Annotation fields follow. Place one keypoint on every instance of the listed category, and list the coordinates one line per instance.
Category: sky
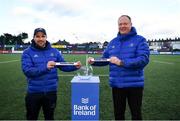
(79, 21)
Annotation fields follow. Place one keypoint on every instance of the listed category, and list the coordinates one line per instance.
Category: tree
(24, 36)
(8, 39)
(20, 38)
(2, 40)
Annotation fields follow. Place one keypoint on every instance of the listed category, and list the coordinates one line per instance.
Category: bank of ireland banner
(85, 98)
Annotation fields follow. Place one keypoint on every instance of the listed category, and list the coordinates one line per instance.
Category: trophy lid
(66, 63)
(100, 60)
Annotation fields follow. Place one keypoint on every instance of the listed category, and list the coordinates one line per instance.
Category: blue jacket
(133, 50)
(34, 65)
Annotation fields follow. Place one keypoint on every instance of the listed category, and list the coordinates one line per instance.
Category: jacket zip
(44, 88)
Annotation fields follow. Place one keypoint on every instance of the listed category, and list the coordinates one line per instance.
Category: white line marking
(9, 61)
(163, 62)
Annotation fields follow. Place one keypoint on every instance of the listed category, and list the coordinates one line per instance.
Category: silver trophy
(85, 72)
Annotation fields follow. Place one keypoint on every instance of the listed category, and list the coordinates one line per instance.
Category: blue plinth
(85, 98)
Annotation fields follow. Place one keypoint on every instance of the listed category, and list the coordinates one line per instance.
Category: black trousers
(35, 101)
(134, 97)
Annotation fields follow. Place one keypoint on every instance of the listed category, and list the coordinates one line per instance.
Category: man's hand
(116, 61)
(51, 64)
(78, 64)
(89, 60)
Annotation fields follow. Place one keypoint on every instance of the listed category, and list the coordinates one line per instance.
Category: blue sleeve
(28, 67)
(65, 68)
(142, 56)
(106, 52)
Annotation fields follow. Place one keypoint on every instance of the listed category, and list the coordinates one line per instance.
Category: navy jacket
(133, 50)
(34, 65)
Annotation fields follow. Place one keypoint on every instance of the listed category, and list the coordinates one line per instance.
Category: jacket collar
(128, 35)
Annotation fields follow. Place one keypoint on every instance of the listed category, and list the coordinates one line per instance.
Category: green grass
(161, 99)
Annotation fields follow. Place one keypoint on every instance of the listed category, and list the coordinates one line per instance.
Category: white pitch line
(163, 62)
(9, 61)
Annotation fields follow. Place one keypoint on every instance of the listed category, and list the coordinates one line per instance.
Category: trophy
(85, 72)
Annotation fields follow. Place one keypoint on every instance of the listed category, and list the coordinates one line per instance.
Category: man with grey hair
(128, 54)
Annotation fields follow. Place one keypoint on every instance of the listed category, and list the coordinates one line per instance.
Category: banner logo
(85, 108)
(84, 100)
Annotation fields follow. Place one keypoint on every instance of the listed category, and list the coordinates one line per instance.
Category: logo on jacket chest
(127, 45)
(52, 54)
(113, 46)
(131, 44)
(35, 56)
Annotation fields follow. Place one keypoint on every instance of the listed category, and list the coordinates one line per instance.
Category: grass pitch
(161, 99)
